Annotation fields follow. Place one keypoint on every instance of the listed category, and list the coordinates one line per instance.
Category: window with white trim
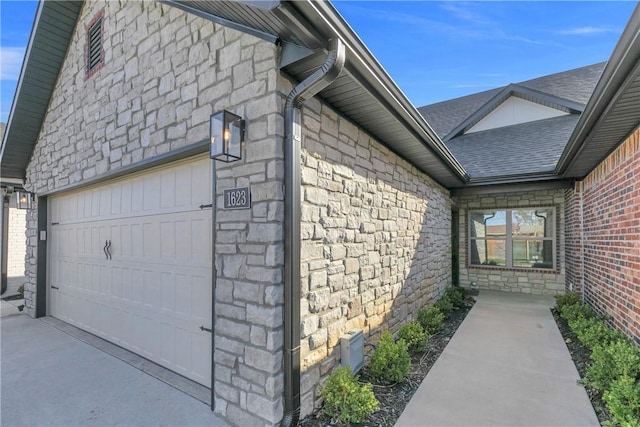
(513, 238)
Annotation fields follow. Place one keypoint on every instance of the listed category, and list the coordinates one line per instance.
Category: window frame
(509, 238)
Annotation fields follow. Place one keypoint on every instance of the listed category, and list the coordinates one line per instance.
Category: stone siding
(610, 221)
(376, 237)
(536, 281)
(165, 72)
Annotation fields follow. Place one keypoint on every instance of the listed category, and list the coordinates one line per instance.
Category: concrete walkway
(507, 365)
(10, 308)
(49, 378)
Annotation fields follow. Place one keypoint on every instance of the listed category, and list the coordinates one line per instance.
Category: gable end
(516, 91)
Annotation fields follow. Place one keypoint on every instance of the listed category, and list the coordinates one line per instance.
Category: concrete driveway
(49, 378)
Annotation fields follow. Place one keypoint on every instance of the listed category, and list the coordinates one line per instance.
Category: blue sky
(433, 50)
(441, 50)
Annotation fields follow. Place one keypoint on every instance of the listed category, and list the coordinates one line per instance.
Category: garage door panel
(168, 189)
(168, 344)
(167, 240)
(200, 298)
(154, 293)
(168, 284)
(116, 200)
(105, 201)
(183, 359)
(183, 296)
(151, 193)
(125, 241)
(183, 183)
(200, 248)
(137, 192)
(200, 189)
(200, 361)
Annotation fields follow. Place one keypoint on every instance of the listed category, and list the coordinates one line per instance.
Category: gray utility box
(352, 350)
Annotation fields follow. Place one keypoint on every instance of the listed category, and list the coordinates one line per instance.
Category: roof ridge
(572, 70)
(520, 83)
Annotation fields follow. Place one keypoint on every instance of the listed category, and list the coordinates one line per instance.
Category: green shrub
(21, 291)
(345, 400)
(431, 319)
(623, 401)
(456, 295)
(610, 362)
(390, 361)
(445, 306)
(413, 335)
(593, 331)
(572, 312)
(569, 298)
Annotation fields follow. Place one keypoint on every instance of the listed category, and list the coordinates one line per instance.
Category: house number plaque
(237, 198)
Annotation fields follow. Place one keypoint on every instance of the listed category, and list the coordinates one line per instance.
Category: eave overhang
(613, 111)
(53, 28)
(363, 92)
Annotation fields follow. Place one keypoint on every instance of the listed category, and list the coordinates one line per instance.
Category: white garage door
(130, 261)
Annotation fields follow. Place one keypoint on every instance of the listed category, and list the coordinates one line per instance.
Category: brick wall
(376, 237)
(165, 73)
(532, 281)
(611, 212)
(17, 242)
(573, 240)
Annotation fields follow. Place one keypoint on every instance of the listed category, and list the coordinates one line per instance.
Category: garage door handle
(54, 287)
(202, 328)
(107, 249)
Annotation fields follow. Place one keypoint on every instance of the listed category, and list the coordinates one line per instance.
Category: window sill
(514, 269)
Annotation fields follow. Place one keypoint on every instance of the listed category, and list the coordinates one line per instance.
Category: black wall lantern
(24, 199)
(227, 135)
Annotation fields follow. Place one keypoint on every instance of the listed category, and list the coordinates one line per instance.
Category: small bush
(593, 331)
(21, 291)
(456, 295)
(572, 312)
(431, 319)
(623, 400)
(570, 298)
(390, 361)
(445, 305)
(345, 400)
(611, 362)
(413, 335)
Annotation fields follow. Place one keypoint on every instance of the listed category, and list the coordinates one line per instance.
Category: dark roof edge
(508, 91)
(15, 143)
(27, 54)
(623, 60)
(384, 84)
(513, 179)
(515, 187)
(225, 22)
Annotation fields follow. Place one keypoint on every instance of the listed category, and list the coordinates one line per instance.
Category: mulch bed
(394, 398)
(582, 358)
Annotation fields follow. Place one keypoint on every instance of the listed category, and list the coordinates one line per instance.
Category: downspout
(309, 87)
(5, 243)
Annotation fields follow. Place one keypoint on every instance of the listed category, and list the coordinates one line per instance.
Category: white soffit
(514, 111)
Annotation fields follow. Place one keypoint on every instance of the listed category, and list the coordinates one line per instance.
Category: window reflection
(517, 238)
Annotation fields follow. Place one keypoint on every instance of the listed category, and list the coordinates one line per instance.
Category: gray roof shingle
(574, 85)
(526, 148)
